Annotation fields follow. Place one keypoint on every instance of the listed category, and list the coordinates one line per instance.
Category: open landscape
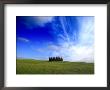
(55, 45)
(30, 66)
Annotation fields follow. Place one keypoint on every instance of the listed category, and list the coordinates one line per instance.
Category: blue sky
(41, 37)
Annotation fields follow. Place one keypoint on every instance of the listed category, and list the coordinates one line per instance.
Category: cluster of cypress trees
(55, 59)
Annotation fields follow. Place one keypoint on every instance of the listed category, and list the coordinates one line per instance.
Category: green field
(29, 66)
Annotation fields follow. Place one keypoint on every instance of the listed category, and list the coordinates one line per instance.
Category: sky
(41, 37)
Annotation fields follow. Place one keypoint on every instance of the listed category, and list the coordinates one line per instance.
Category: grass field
(28, 66)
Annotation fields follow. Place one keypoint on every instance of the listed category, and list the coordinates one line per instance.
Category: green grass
(29, 66)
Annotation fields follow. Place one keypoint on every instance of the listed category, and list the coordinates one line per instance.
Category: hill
(29, 66)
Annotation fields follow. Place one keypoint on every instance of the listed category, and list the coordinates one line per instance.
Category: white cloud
(74, 53)
(40, 50)
(42, 20)
(53, 47)
(84, 49)
(86, 25)
(23, 39)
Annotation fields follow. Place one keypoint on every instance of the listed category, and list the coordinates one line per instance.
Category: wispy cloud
(70, 37)
(39, 50)
(42, 20)
(23, 39)
(73, 52)
(53, 47)
(84, 49)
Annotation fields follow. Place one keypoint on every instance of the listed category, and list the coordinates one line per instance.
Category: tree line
(55, 59)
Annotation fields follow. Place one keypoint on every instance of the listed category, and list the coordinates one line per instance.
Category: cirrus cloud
(42, 20)
(23, 39)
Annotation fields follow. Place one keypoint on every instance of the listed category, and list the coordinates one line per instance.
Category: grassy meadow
(29, 66)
